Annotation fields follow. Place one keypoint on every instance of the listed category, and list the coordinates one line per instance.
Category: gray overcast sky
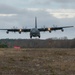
(21, 13)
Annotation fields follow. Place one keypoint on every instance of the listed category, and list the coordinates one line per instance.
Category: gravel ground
(37, 61)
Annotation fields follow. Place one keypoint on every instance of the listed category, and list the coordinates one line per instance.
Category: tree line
(38, 43)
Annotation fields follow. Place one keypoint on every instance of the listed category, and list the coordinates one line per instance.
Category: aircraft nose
(34, 32)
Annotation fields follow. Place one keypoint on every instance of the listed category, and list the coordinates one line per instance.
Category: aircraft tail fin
(35, 22)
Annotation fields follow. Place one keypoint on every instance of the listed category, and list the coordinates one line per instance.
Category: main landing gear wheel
(39, 36)
(30, 36)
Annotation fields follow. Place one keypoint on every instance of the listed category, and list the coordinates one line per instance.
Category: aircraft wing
(54, 28)
(16, 30)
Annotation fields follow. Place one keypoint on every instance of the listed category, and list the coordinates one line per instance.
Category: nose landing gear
(39, 36)
(30, 36)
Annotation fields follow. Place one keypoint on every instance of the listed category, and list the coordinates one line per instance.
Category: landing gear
(30, 36)
(39, 36)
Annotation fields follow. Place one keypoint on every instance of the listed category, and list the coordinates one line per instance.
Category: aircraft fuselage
(34, 32)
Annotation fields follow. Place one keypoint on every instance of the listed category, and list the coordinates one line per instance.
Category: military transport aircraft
(35, 32)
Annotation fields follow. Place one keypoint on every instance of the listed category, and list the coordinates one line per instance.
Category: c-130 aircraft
(35, 32)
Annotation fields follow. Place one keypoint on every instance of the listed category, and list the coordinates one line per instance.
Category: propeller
(54, 25)
(44, 27)
(14, 27)
(24, 27)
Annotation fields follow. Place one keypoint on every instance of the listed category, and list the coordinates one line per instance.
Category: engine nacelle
(50, 31)
(7, 32)
(19, 32)
(62, 30)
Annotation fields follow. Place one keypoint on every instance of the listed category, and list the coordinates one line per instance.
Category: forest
(38, 43)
